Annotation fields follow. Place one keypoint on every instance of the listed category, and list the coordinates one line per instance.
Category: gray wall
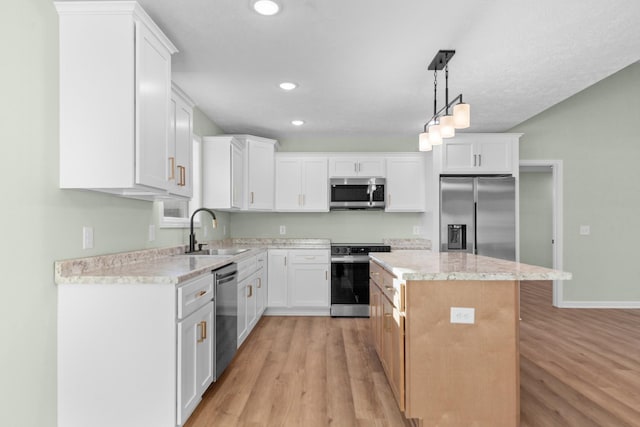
(536, 218)
(595, 133)
(40, 222)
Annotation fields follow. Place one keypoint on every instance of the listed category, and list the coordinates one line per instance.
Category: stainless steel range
(350, 278)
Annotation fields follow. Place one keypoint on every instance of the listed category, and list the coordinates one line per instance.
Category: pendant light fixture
(452, 116)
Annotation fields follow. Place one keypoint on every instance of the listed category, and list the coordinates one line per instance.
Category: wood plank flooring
(302, 371)
(578, 368)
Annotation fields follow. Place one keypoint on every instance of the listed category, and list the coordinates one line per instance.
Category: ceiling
(361, 65)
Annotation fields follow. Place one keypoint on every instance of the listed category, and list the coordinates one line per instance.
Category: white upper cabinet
(260, 174)
(180, 147)
(350, 166)
(301, 184)
(115, 87)
(222, 172)
(480, 153)
(405, 186)
(238, 172)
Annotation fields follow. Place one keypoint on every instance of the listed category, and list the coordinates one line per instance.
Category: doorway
(541, 217)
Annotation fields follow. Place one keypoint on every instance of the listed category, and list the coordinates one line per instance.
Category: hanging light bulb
(423, 142)
(462, 116)
(435, 137)
(447, 130)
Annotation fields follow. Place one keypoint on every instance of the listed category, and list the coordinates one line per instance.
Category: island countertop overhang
(418, 265)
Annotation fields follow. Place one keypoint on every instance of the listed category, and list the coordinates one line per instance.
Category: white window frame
(196, 200)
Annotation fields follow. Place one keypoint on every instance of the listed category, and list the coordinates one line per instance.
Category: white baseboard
(600, 304)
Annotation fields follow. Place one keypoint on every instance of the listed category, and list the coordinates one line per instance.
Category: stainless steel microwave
(357, 193)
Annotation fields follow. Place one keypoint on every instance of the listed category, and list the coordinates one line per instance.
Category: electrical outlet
(417, 230)
(585, 230)
(283, 229)
(87, 237)
(152, 232)
(463, 315)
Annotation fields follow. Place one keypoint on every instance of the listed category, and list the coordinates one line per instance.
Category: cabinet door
(242, 311)
(261, 292)
(183, 150)
(494, 156)
(288, 184)
(315, 184)
(392, 355)
(153, 87)
(261, 175)
(371, 167)
(252, 304)
(237, 176)
(375, 316)
(458, 156)
(309, 284)
(405, 185)
(277, 278)
(195, 359)
(179, 148)
(343, 167)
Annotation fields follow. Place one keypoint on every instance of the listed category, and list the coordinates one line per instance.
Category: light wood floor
(578, 368)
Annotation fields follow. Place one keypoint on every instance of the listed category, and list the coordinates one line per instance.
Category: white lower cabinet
(195, 359)
(298, 282)
(251, 293)
(134, 354)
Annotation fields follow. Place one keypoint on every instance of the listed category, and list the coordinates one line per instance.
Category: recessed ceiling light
(297, 122)
(288, 86)
(266, 7)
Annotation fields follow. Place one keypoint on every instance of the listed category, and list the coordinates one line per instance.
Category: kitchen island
(445, 326)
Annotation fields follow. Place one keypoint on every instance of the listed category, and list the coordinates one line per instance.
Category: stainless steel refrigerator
(477, 215)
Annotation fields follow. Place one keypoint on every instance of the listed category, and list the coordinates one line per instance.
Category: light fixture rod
(446, 107)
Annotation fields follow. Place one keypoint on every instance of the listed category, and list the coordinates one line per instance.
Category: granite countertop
(427, 265)
(166, 265)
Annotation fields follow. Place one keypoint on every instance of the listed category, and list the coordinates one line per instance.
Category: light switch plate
(465, 315)
(283, 229)
(87, 237)
(585, 230)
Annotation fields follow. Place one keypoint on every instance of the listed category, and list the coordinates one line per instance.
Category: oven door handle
(350, 259)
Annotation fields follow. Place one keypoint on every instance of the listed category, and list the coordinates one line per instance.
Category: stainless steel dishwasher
(226, 297)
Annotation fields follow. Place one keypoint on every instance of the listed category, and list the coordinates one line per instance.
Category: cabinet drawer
(309, 257)
(246, 267)
(194, 294)
(391, 286)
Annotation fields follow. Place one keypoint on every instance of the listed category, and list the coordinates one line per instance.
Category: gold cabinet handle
(326, 275)
(172, 168)
(252, 197)
(259, 282)
(285, 261)
(250, 291)
(183, 176)
(203, 331)
(201, 293)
